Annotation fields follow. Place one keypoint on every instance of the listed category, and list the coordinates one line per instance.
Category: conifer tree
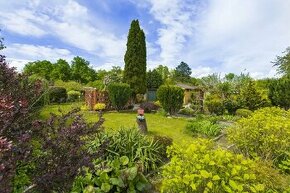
(135, 59)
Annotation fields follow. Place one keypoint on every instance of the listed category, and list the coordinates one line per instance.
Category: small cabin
(192, 94)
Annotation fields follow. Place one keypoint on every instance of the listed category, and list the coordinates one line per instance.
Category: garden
(68, 128)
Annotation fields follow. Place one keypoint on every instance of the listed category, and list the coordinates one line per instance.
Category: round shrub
(214, 104)
(99, 106)
(119, 94)
(73, 95)
(244, 112)
(70, 85)
(171, 98)
(265, 134)
(57, 95)
(200, 167)
(149, 107)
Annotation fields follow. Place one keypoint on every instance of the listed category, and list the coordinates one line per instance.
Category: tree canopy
(182, 72)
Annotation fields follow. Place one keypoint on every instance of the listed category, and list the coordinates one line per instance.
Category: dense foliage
(182, 72)
(203, 127)
(119, 94)
(149, 107)
(266, 133)
(199, 167)
(171, 98)
(283, 62)
(279, 92)
(17, 97)
(73, 95)
(57, 95)
(214, 104)
(244, 112)
(154, 79)
(135, 59)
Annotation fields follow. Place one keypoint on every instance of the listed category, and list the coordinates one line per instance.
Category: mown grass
(157, 124)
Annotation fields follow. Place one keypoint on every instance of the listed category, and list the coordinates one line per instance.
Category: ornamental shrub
(279, 92)
(214, 104)
(119, 94)
(57, 95)
(187, 111)
(99, 106)
(171, 98)
(70, 85)
(200, 167)
(244, 112)
(265, 134)
(73, 95)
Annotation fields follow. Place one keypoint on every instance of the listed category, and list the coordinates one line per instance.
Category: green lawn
(157, 124)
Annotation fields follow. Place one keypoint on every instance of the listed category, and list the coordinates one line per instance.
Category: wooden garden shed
(192, 94)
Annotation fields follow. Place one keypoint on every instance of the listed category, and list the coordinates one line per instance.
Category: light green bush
(244, 112)
(265, 134)
(214, 104)
(199, 167)
(73, 95)
(99, 106)
(70, 85)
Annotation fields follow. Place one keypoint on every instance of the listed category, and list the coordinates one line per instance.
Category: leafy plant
(214, 104)
(244, 112)
(63, 155)
(73, 95)
(118, 175)
(203, 127)
(279, 92)
(119, 94)
(136, 146)
(100, 106)
(265, 134)
(57, 95)
(199, 167)
(171, 98)
(187, 111)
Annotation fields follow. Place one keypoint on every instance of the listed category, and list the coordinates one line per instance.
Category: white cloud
(32, 53)
(68, 21)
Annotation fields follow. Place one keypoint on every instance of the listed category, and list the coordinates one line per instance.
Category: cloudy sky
(210, 35)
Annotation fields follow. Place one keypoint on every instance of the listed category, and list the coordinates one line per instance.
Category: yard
(157, 124)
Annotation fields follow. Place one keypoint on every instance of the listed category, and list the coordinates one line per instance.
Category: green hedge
(171, 98)
(119, 94)
(57, 95)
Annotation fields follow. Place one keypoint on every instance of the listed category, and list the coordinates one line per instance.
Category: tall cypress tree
(135, 59)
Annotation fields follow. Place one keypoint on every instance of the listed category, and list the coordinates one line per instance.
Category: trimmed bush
(200, 167)
(99, 106)
(244, 112)
(171, 98)
(57, 95)
(214, 104)
(149, 107)
(119, 94)
(73, 95)
(70, 85)
(265, 134)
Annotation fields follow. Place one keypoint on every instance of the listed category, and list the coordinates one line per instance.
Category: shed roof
(188, 87)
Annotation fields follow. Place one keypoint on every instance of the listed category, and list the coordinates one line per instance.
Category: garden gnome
(141, 121)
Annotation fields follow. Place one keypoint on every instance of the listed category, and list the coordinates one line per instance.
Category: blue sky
(210, 35)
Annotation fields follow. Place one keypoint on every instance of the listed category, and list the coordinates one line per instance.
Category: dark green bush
(119, 94)
(214, 104)
(231, 105)
(73, 95)
(57, 95)
(244, 112)
(171, 98)
(279, 92)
